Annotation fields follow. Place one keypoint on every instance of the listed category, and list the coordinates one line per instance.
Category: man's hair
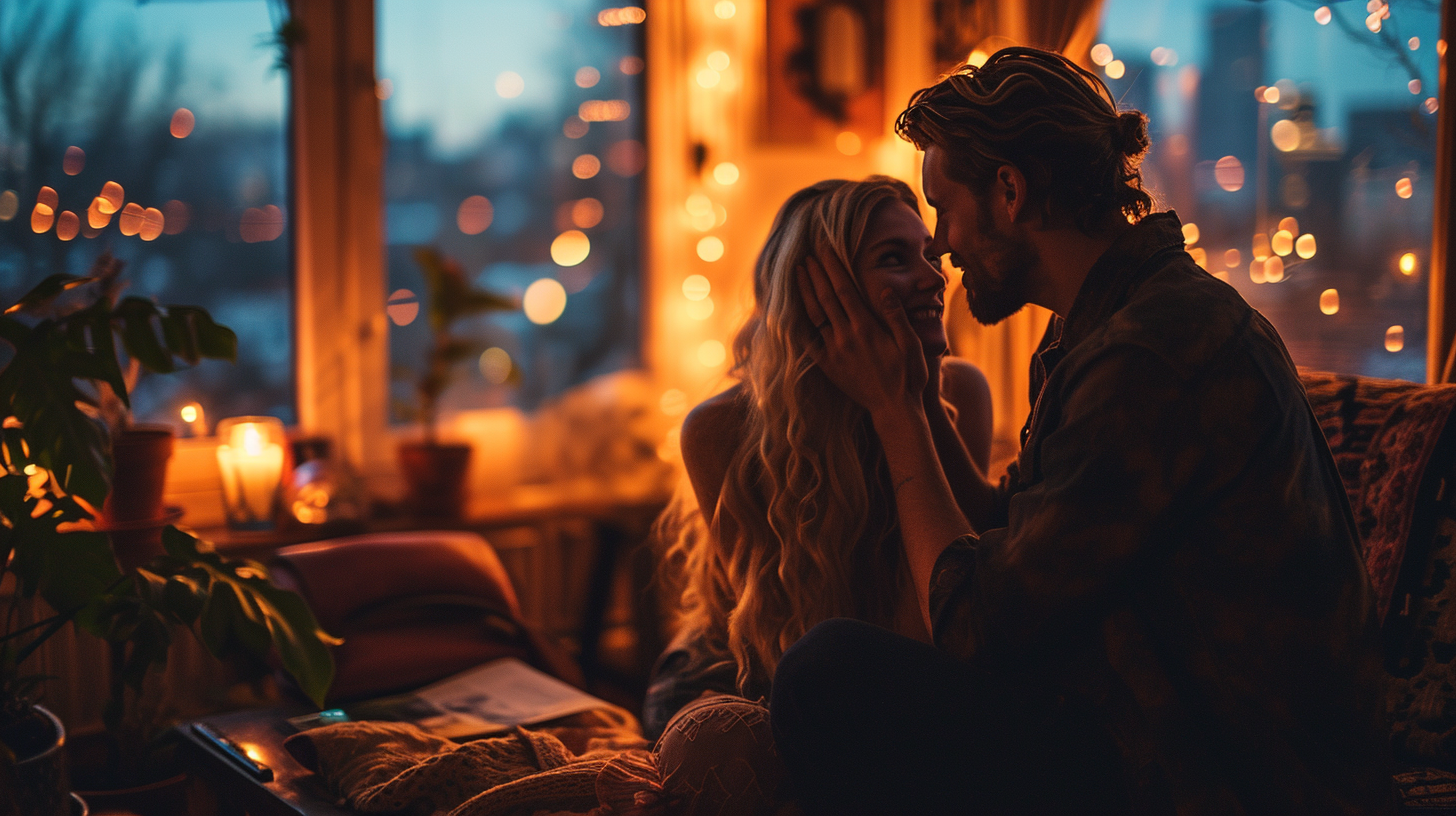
(1050, 119)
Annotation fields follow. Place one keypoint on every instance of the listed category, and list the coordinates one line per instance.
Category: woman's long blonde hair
(806, 490)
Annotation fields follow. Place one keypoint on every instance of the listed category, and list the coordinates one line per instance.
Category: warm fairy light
(1256, 272)
(1431, 105)
(1229, 173)
(495, 365)
(1164, 56)
(700, 309)
(574, 127)
(1403, 187)
(631, 15)
(1373, 22)
(587, 77)
(68, 225)
(673, 402)
(631, 65)
(570, 248)
(725, 173)
(183, 122)
(74, 161)
(1282, 242)
(1271, 95)
(95, 218)
(189, 412)
(1395, 338)
(509, 85)
(1289, 224)
(544, 301)
(719, 60)
(1274, 269)
(48, 197)
(696, 287)
(848, 143)
(1414, 43)
(474, 215)
(1322, 15)
(710, 248)
(711, 353)
(709, 78)
(112, 197)
(1285, 136)
(1190, 234)
(700, 210)
(604, 110)
(1200, 256)
(586, 166)
(978, 58)
(402, 307)
(260, 224)
(724, 9)
(1232, 258)
(1115, 69)
(41, 218)
(1260, 248)
(586, 213)
(1329, 301)
(1305, 247)
(152, 224)
(9, 205)
(1414, 86)
(627, 157)
(1408, 263)
(1101, 54)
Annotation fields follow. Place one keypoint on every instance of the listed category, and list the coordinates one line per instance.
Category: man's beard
(993, 299)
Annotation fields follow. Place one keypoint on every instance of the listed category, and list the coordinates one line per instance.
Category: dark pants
(868, 721)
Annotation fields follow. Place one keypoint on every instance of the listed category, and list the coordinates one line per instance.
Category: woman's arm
(963, 444)
(710, 436)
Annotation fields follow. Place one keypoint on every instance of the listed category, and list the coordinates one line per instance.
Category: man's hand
(874, 359)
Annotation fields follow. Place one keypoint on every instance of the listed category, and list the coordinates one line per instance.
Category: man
(1166, 610)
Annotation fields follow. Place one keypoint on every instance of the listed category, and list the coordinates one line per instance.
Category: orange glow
(1101, 54)
(1115, 69)
(1329, 301)
(74, 161)
(586, 213)
(1403, 188)
(673, 402)
(711, 353)
(1285, 136)
(1190, 234)
(9, 205)
(112, 197)
(1260, 247)
(1229, 173)
(1394, 338)
(627, 157)
(1305, 246)
(260, 224)
(474, 215)
(152, 223)
(178, 215)
(587, 77)
(574, 128)
(724, 9)
(630, 15)
(725, 173)
(586, 166)
(67, 225)
(696, 287)
(848, 143)
(495, 365)
(402, 307)
(130, 222)
(570, 248)
(1256, 272)
(1231, 258)
(1200, 256)
(700, 309)
(544, 301)
(1408, 263)
(95, 218)
(708, 78)
(1289, 224)
(183, 121)
(1282, 243)
(631, 66)
(189, 412)
(1274, 269)
(1271, 95)
(1373, 22)
(48, 197)
(41, 218)
(710, 248)
(604, 110)
(719, 60)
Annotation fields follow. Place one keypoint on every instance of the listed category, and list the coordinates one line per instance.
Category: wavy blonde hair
(807, 489)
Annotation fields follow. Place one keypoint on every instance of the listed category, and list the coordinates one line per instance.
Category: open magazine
(484, 700)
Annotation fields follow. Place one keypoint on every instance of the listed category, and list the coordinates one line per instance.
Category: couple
(1160, 608)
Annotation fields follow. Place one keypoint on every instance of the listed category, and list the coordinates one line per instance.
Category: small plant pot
(134, 514)
(39, 783)
(435, 475)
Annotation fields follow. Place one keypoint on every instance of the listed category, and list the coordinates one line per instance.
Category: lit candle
(252, 471)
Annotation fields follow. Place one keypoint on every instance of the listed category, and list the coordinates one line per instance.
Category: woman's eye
(892, 259)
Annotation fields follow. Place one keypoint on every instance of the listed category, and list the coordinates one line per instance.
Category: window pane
(515, 148)
(1299, 140)
(180, 104)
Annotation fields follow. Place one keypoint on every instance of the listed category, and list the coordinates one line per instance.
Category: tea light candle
(251, 463)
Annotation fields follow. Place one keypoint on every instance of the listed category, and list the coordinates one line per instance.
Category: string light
(1329, 301)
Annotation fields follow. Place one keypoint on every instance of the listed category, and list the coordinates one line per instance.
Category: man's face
(996, 259)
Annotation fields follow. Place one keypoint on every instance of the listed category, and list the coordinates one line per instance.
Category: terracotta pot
(39, 782)
(134, 514)
(435, 475)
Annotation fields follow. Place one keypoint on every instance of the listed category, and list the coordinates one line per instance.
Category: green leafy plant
(73, 340)
(449, 298)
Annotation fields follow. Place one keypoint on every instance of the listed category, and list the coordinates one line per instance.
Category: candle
(251, 463)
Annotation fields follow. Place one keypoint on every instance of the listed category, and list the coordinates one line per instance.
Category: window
(1297, 142)
(171, 114)
(515, 147)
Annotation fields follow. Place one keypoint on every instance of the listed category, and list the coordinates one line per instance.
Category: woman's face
(892, 256)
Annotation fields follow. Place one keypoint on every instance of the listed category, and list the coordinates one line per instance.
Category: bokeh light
(68, 225)
(130, 221)
(700, 309)
(41, 218)
(725, 173)
(9, 205)
(1101, 54)
(495, 365)
(1407, 263)
(1274, 269)
(1260, 247)
(1285, 136)
(848, 143)
(402, 307)
(710, 248)
(1282, 242)
(1403, 188)
(182, 123)
(604, 110)
(631, 66)
(474, 215)
(1304, 247)
(570, 248)
(152, 224)
(711, 353)
(708, 78)
(544, 301)
(1289, 224)
(1229, 173)
(1329, 301)
(586, 166)
(696, 287)
(509, 85)
(586, 213)
(1395, 338)
(1414, 86)
(627, 158)
(260, 224)
(1115, 69)
(1190, 234)
(719, 61)
(587, 77)
(113, 197)
(48, 197)
(95, 218)
(74, 161)
(575, 127)
(1322, 15)
(673, 402)
(724, 9)
(1232, 258)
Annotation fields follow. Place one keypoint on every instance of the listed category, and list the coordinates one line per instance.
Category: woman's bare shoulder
(711, 434)
(962, 381)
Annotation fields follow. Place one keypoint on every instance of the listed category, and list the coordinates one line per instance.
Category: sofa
(1395, 447)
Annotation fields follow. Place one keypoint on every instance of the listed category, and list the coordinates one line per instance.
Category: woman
(786, 470)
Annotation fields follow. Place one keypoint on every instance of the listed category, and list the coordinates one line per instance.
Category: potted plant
(69, 336)
(435, 471)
